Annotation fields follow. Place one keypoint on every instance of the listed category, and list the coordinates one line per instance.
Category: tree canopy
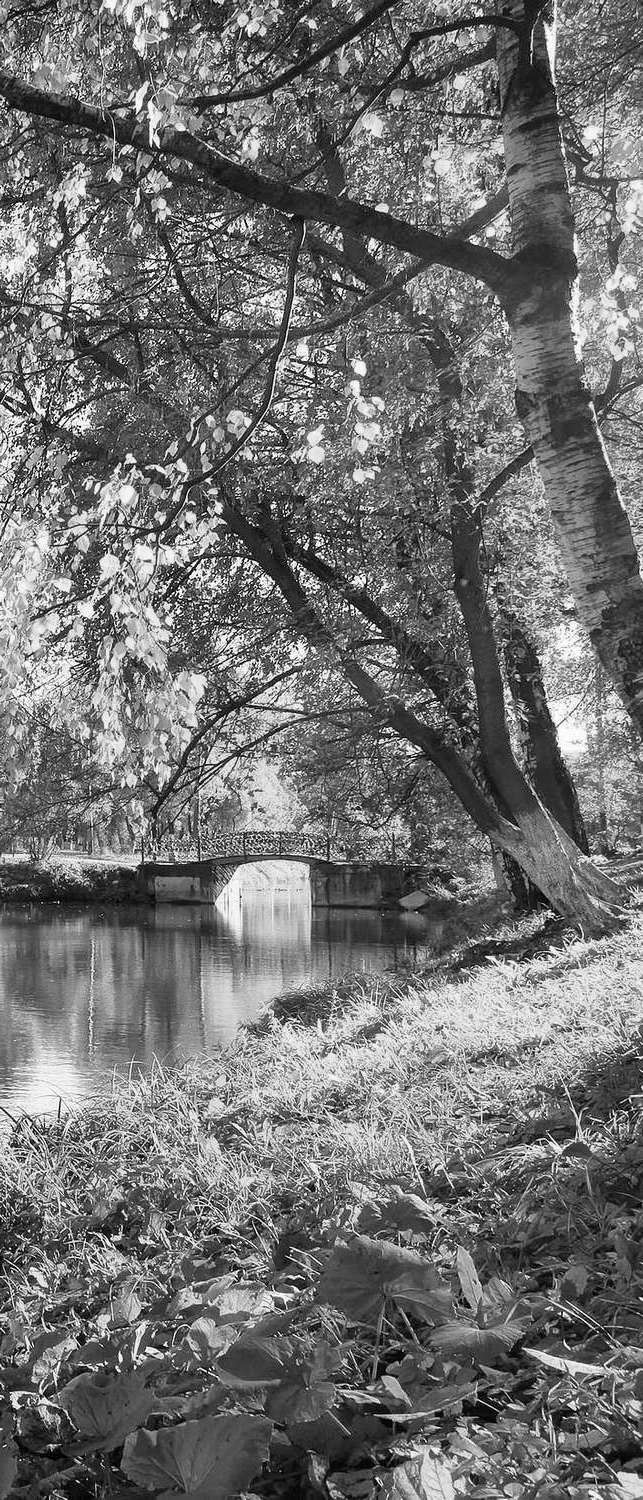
(305, 375)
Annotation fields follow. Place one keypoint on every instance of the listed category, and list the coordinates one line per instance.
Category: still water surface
(86, 990)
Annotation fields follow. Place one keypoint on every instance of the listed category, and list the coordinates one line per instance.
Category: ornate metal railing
(279, 844)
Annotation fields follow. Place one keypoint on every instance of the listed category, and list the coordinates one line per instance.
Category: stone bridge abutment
(351, 883)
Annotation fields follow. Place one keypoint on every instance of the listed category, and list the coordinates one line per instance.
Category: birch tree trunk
(552, 396)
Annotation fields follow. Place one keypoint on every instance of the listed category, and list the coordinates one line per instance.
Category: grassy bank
(388, 1243)
(64, 878)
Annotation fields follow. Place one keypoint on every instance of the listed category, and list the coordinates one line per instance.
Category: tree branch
(387, 710)
(233, 706)
(424, 661)
(347, 214)
(297, 70)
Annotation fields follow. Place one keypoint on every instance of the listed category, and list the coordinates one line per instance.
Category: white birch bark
(552, 396)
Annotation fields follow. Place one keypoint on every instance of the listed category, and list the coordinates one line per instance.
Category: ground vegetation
(388, 1241)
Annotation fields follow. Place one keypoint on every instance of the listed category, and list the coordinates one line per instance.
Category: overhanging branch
(347, 215)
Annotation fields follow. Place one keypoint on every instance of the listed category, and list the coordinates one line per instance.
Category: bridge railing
(277, 844)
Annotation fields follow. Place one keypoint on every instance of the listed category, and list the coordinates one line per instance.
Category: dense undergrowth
(390, 1243)
(59, 878)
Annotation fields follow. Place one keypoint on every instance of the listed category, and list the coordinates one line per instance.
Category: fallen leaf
(575, 1280)
(255, 1361)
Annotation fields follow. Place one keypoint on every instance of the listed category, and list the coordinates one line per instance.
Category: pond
(84, 990)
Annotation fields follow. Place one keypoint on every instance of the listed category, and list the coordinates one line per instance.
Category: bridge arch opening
(266, 877)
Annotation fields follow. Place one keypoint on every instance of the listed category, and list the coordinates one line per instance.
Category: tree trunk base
(569, 881)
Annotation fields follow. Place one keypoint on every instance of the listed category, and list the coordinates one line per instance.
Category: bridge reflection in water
(85, 990)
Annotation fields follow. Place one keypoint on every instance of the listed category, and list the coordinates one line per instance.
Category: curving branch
(201, 102)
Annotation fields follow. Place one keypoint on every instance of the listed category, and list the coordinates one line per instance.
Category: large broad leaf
(206, 1339)
(126, 1305)
(49, 1352)
(326, 1436)
(105, 1408)
(363, 1272)
(8, 1468)
(225, 1302)
(423, 1293)
(401, 1211)
(352, 1484)
(439, 1398)
(255, 1361)
(292, 1401)
(426, 1477)
(470, 1344)
(209, 1459)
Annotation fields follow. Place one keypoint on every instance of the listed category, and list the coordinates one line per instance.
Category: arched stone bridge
(181, 871)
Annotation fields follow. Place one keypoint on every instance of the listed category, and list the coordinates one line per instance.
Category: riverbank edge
(71, 880)
(86, 880)
(399, 1218)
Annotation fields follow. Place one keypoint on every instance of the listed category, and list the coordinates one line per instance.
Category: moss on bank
(398, 1222)
(64, 879)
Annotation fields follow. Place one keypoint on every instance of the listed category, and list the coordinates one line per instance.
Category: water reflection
(84, 990)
